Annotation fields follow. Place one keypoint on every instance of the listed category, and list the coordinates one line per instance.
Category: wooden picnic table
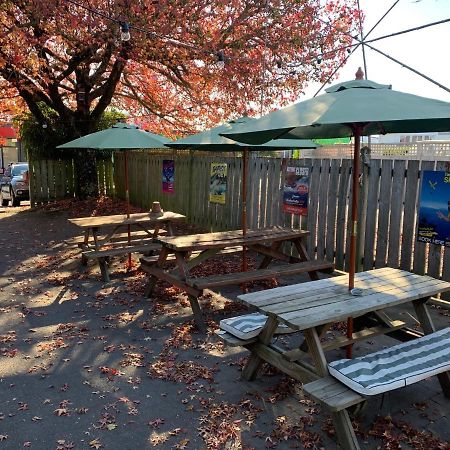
(313, 306)
(114, 242)
(189, 251)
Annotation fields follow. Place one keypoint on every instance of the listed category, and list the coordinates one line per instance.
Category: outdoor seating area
(100, 247)
(229, 225)
(265, 242)
(312, 307)
(293, 327)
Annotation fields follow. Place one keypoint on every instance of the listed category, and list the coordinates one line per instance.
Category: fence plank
(332, 208)
(324, 195)
(383, 216)
(344, 178)
(372, 210)
(313, 207)
(396, 207)
(409, 215)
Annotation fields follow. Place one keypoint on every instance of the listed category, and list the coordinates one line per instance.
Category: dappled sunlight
(109, 360)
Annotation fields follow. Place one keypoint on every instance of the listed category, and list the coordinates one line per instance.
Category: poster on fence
(168, 176)
(218, 183)
(296, 190)
(434, 208)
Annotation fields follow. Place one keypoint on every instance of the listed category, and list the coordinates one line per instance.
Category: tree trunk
(86, 181)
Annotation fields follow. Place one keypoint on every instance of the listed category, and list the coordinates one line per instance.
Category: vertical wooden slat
(372, 214)
(33, 183)
(409, 215)
(332, 208)
(383, 216)
(44, 181)
(344, 179)
(348, 224)
(313, 207)
(396, 207)
(323, 208)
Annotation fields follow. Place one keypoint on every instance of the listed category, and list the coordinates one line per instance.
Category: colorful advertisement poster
(168, 176)
(296, 190)
(434, 208)
(218, 184)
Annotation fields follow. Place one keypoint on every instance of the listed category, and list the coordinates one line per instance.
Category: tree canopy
(188, 64)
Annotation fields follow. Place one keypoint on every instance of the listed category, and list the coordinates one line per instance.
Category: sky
(424, 50)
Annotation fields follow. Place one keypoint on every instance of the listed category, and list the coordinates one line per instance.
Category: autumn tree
(187, 64)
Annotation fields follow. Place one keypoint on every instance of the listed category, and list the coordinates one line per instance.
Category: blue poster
(434, 208)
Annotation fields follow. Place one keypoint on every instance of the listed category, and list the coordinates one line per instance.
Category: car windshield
(19, 169)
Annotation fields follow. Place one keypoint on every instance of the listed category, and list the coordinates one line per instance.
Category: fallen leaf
(95, 443)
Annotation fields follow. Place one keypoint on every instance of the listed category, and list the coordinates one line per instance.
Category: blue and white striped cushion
(249, 325)
(396, 366)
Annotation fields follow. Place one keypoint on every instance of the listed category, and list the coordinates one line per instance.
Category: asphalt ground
(85, 364)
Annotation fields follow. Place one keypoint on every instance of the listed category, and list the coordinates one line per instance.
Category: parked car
(14, 184)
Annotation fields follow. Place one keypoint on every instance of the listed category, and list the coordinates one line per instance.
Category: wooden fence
(390, 230)
(52, 180)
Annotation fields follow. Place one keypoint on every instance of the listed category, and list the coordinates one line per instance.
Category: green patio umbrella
(213, 140)
(353, 108)
(121, 136)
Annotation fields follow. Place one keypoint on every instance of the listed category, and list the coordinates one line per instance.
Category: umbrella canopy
(376, 107)
(213, 140)
(120, 136)
(353, 108)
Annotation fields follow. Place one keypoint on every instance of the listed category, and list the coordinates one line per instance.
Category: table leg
(428, 327)
(254, 363)
(101, 261)
(341, 419)
(104, 269)
(316, 351)
(84, 260)
(298, 243)
(164, 253)
(198, 316)
(170, 229)
(180, 258)
(193, 300)
(275, 246)
(344, 430)
(155, 233)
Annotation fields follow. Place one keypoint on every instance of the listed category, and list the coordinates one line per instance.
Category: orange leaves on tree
(169, 78)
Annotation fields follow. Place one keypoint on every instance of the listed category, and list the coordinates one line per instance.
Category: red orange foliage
(68, 55)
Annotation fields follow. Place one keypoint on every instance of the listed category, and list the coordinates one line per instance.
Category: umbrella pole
(354, 225)
(127, 198)
(244, 207)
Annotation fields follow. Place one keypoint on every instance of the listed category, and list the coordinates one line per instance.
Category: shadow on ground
(91, 365)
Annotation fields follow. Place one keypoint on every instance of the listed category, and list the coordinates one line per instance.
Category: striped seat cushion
(249, 325)
(396, 366)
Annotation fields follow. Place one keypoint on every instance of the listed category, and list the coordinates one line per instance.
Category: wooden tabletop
(306, 305)
(121, 219)
(230, 238)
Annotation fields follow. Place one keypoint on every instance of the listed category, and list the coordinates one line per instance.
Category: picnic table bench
(114, 242)
(311, 307)
(189, 251)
